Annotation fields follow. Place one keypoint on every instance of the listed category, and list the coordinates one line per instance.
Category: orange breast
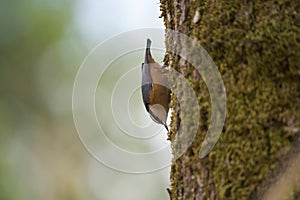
(160, 93)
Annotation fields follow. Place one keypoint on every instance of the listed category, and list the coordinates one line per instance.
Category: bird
(155, 93)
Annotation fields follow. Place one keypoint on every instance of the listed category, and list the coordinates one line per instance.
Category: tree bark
(256, 46)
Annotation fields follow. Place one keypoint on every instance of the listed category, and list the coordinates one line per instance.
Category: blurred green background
(42, 45)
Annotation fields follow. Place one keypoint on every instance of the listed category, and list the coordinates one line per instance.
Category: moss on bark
(256, 46)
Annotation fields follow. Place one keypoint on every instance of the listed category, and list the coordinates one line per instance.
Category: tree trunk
(256, 47)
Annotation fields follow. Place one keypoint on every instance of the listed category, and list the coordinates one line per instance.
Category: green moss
(296, 195)
(256, 46)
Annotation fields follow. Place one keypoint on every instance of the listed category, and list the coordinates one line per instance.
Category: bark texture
(256, 46)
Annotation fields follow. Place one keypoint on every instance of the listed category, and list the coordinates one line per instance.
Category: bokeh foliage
(29, 31)
(42, 45)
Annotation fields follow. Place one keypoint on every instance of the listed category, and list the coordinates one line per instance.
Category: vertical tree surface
(256, 46)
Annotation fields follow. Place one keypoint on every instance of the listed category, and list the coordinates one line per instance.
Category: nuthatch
(156, 95)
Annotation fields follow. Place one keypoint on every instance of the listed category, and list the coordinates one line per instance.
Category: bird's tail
(148, 56)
